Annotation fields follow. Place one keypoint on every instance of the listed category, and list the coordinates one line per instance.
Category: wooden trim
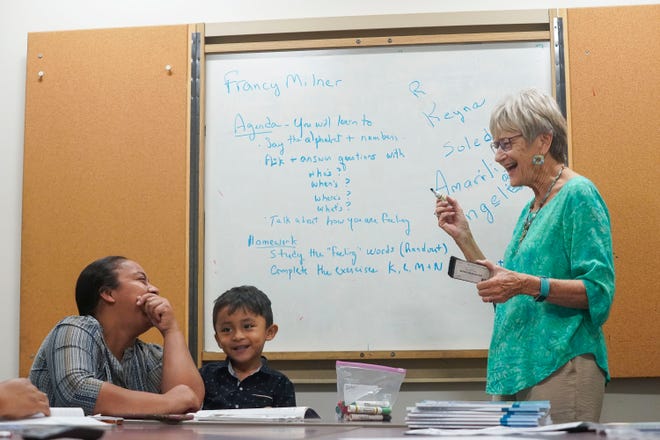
(351, 42)
(450, 366)
(357, 355)
(378, 30)
(320, 381)
(390, 22)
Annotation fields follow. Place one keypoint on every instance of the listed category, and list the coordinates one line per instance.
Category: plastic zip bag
(367, 391)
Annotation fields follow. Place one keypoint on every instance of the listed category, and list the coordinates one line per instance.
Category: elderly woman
(554, 291)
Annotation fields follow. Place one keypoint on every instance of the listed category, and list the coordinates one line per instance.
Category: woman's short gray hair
(532, 112)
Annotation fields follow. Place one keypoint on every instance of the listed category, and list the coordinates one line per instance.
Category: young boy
(243, 322)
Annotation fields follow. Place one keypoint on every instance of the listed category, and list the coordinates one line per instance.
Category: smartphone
(467, 271)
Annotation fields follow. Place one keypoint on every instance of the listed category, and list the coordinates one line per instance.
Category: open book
(58, 416)
(76, 417)
(282, 414)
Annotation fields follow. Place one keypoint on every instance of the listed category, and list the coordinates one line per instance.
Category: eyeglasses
(503, 144)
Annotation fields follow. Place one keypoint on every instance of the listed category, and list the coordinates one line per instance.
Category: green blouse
(570, 238)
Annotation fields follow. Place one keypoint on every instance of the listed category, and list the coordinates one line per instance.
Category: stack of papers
(444, 414)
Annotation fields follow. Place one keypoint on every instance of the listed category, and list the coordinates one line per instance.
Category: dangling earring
(538, 159)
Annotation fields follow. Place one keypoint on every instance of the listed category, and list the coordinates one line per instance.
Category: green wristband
(545, 290)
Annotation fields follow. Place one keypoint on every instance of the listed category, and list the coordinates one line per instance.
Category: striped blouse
(74, 361)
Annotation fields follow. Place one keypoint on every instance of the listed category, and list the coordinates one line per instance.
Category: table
(147, 430)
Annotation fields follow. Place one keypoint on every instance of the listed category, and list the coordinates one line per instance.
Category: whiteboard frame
(357, 32)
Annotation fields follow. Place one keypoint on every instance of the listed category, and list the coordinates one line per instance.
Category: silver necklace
(531, 215)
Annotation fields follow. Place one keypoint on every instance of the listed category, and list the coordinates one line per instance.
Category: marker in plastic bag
(355, 409)
(369, 417)
(381, 403)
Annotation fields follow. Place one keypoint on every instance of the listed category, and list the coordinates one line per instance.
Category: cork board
(106, 165)
(614, 89)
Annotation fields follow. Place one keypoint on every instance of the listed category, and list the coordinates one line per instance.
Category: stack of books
(448, 414)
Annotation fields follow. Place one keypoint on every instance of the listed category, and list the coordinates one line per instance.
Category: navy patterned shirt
(265, 387)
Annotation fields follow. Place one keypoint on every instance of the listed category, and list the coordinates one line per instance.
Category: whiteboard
(318, 166)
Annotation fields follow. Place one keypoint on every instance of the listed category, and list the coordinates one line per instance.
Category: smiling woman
(556, 286)
(84, 357)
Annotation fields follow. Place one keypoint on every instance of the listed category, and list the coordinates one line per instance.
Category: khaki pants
(575, 391)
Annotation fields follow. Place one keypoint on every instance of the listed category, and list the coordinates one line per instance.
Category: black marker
(438, 195)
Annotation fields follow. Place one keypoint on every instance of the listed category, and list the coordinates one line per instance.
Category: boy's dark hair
(97, 277)
(248, 298)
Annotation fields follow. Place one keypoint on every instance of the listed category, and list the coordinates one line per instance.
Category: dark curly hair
(97, 277)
